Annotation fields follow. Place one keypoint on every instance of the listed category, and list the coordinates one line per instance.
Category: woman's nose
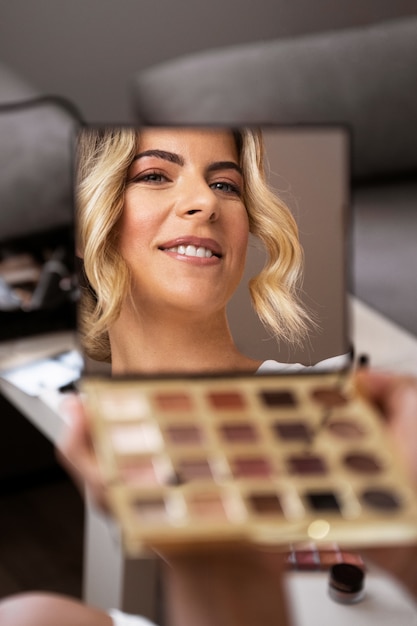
(199, 200)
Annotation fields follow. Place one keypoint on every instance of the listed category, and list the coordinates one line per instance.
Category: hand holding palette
(266, 459)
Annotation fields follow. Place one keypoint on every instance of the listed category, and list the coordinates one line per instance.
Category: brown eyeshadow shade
(323, 501)
(251, 467)
(226, 400)
(306, 464)
(240, 432)
(346, 429)
(381, 499)
(184, 435)
(265, 503)
(363, 463)
(150, 511)
(292, 431)
(329, 397)
(193, 469)
(275, 399)
(173, 401)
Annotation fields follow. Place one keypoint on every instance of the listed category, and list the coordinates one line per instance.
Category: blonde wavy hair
(103, 159)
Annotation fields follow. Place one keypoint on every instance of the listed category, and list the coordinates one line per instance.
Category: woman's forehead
(215, 142)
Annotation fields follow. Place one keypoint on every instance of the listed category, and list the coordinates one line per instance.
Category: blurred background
(90, 51)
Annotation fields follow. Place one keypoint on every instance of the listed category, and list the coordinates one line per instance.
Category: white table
(111, 580)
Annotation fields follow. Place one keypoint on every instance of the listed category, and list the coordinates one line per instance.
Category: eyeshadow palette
(315, 558)
(268, 459)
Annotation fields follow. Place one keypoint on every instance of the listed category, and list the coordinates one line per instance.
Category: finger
(76, 452)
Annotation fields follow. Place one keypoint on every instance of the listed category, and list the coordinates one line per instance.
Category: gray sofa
(365, 77)
(35, 159)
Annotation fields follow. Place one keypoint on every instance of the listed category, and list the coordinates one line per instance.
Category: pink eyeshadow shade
(193, 469)
(184, 435)
(226, 400)
(138, 472)
(251, 467)
(239, 433)
(307, 559)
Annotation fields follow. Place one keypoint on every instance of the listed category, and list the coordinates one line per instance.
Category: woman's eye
(149, 177)
(226, 187)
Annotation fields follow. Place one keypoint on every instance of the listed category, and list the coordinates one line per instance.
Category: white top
(332, 364)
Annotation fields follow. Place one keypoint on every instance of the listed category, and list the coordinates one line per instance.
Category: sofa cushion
(36, 154)
(365, 77)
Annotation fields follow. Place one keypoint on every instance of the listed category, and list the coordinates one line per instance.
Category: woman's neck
(175, 343)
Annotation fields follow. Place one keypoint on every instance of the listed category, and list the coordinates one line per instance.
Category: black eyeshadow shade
(323, 501)
(277, 398)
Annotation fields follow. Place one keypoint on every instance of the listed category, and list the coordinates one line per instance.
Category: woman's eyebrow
(224, 165)
(161, 154)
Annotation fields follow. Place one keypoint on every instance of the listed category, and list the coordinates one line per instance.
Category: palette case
(273, 459)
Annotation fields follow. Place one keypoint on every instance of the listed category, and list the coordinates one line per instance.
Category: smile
(194, 247)
(200, 251)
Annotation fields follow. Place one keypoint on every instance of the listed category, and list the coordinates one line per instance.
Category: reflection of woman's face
(184, 229)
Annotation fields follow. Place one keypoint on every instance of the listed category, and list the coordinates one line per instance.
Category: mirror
(307, 167)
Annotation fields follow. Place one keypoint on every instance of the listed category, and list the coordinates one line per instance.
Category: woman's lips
(194, 247)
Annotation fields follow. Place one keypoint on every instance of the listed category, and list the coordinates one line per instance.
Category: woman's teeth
(190, 250)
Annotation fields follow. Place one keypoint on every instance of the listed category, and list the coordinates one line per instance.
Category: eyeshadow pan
(346, 429)
(150, 511)
(277, 398)
(251, 467)
(306, 464)
(226, 400)
(124, 405)
(139, 438)
(206, 505)
(382, 499)
(184, 435)
(292, 431)
(193, 469)
(323, 501)
(329, 557)
(352, 559)
(307, 559)
(265, 503)
(365, 463)
(173, 401)
(329, 397)
(138, 471)
(240, 432)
